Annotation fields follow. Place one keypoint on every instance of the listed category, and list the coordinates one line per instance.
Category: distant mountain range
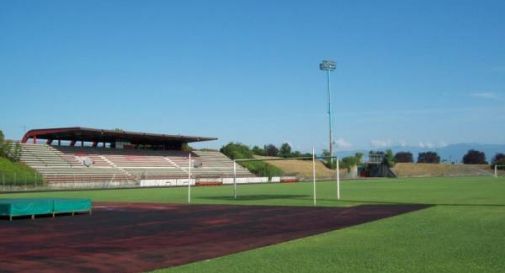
(450, 153)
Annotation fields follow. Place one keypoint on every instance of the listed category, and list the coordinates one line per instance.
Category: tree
(474, 157)
(350, 161)
(325, 153)
(389, 158)
(285, 150)
(9, 149)
(2, 143)
(307, 156)
(359, 157)
(498, 159)
(258, 151)
(271, 150)
(14, 153)
(186, 148)
(428, 157)
(327, 160)
(241, 151)
(236, 151)
(404, 157)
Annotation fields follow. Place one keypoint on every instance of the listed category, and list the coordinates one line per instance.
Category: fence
(19, 182)
(14, 181)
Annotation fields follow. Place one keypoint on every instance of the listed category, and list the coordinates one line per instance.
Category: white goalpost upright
(234, 179)
(314, 174)
(496, 168)
(189, 178)
(337, 169)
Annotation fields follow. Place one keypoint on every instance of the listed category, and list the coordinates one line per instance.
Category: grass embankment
(242, 153)
(17, 174)
(463, 232)
(301, 168)
(431, 170)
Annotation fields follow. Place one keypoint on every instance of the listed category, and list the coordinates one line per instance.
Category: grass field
(463, 232)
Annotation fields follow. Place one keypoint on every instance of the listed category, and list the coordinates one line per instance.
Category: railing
(14, 181)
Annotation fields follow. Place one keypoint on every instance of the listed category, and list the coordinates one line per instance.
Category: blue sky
(421, 73)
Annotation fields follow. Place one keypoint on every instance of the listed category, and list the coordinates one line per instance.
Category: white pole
(314, 173)
(189, 178)
(234, 179)
(338, 180)
(495, 170)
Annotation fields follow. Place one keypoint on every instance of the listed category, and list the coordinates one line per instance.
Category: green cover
(18, 207)
(32, 206)
(62, 205)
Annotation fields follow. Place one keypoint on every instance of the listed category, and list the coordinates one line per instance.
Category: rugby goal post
(314, 178)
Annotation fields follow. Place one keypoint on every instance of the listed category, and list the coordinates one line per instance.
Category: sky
(416, 73)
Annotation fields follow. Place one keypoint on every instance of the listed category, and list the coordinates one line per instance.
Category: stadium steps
(59, 164)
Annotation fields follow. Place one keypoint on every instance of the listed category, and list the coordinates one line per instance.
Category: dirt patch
(140, 237)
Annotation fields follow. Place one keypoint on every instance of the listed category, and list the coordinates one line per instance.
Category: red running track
(141, 237)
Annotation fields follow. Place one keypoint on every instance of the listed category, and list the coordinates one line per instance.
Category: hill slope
(14, 173)
(426, 170)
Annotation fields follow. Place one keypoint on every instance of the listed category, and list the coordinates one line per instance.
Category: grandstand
(84, 157)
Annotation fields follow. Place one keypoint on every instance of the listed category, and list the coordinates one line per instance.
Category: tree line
(284, 151)
(471, 157)
(242, 151)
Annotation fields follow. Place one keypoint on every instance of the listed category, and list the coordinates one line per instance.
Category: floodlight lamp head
(327, 65)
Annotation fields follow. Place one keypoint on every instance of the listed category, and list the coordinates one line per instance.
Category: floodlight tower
(328, 66)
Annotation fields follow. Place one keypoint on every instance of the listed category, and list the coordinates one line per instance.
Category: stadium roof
(102, 135)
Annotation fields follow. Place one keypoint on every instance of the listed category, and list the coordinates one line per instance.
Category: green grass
(463, 232)
(15, 173)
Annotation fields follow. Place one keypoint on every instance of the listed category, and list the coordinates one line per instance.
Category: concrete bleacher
(63, 164)
(216, 164)
(59, 168)
(37, 155)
